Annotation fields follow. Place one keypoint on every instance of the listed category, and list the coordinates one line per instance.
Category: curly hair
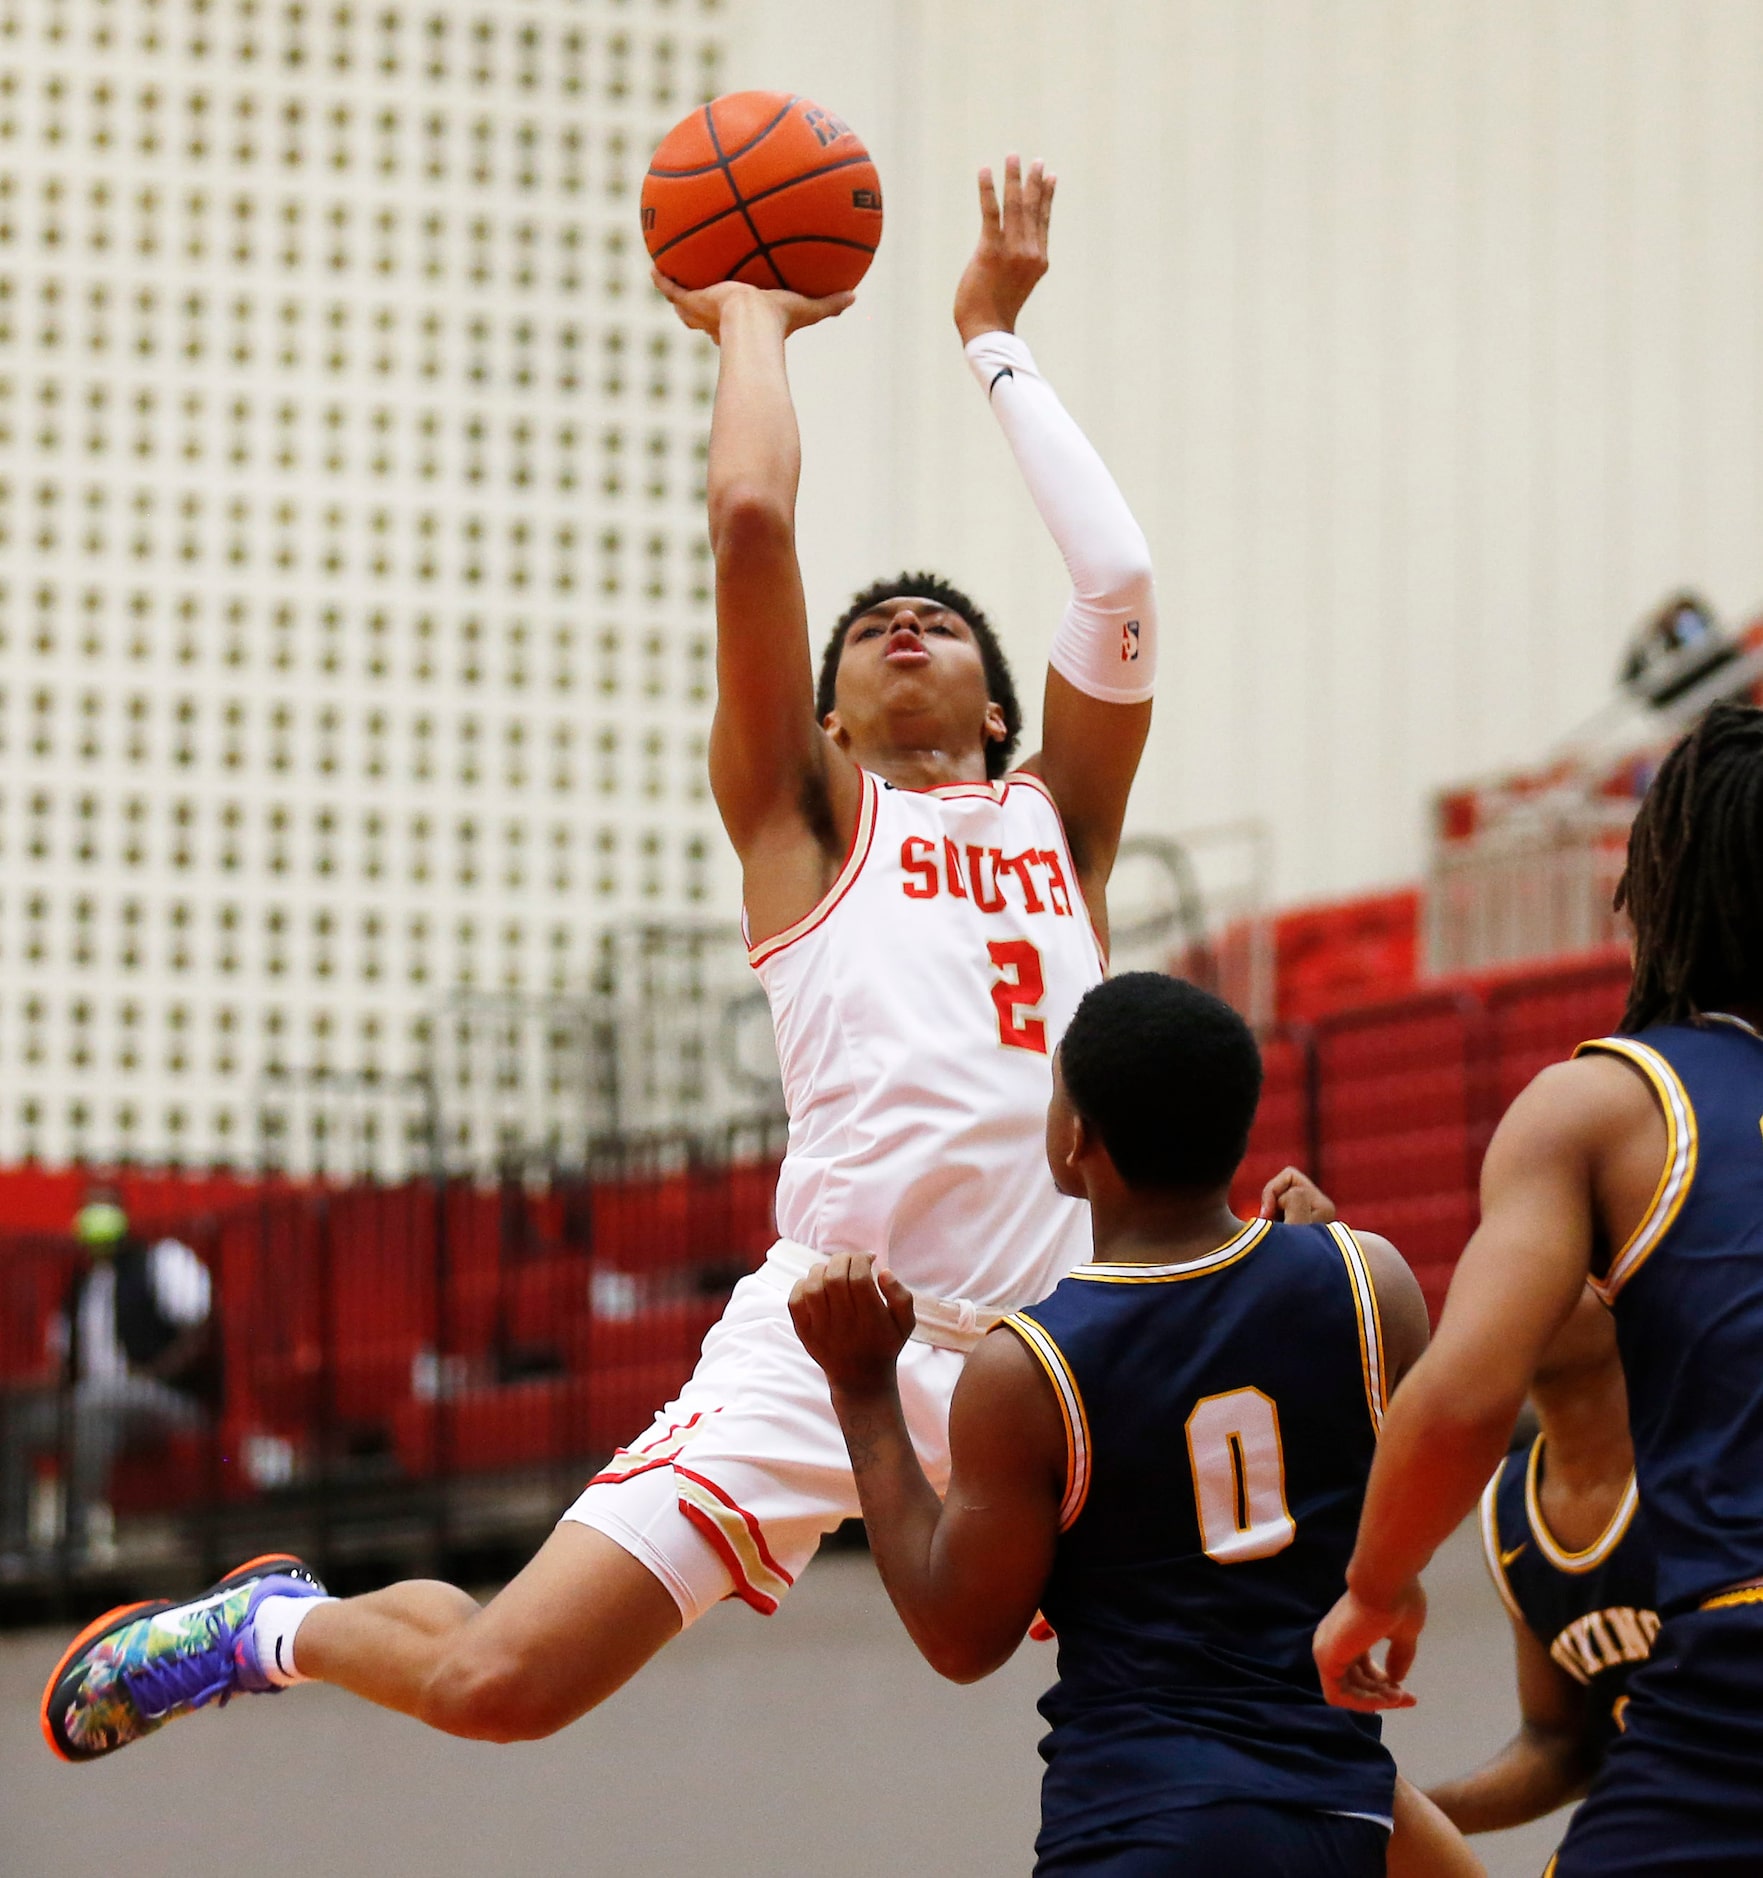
(1694, 881)
(1000, 687)
(1168, 1075)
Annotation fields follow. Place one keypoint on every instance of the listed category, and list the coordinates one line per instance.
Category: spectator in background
(134, 1344)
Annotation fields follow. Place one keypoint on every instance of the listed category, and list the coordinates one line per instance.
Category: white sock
(273, 1629)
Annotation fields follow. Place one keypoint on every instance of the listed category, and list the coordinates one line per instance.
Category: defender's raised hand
(1012, 252)
(1293, 1196)
(853, 1320)
(703, 308)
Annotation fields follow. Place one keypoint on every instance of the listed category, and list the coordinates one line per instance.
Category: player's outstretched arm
(1097, 711)
(1519, 1277)
(1543, 1766)
(966, 1573)
(767, 754)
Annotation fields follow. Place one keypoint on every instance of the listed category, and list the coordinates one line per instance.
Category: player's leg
(1425, 1844)
(574, 1626)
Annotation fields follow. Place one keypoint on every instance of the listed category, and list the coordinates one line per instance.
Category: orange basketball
(764, 188)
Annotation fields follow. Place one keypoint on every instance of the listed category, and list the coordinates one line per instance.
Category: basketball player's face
(911, 669)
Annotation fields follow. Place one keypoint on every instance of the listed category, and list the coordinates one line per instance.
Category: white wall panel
(1422, 334)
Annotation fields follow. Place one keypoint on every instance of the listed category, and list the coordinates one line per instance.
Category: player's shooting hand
(853, 1320)
(704, 309)
(1012, 252)
(1294, 1197)
(1345, 1639)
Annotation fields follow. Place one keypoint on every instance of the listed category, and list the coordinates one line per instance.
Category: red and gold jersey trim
(738, 1539)
(1371, 1356)
(862, 838)
(1071, 1408)
(1031, 781)
(1678, 1173)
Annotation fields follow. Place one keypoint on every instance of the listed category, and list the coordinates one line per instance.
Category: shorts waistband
(944, 1323)
(1751, 1593)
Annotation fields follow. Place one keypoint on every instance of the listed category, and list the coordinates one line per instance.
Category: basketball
(763, 187)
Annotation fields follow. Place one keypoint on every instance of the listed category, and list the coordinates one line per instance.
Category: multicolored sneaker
(141, 1665)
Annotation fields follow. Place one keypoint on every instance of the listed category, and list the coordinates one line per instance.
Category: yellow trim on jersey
(1549, 1869)
(1727, 1600)
(1678, 1173)
(1492, 1550)
(1226, 1254)
(1551, 1548)
(1371, 1357)
(1071, 1407)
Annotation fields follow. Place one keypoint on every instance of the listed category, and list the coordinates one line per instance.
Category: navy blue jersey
(1591, 1610)
(1221, 1417)
(1687, 1290)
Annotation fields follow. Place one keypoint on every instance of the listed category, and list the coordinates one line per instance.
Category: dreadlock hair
(1000, 687)
(1694, 881)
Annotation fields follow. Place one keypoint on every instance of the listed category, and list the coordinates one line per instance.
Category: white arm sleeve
(1106, 644)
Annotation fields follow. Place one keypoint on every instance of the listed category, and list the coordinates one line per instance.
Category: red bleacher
(422, 1331)
(1390, 1105)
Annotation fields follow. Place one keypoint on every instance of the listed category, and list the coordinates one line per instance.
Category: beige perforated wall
(353, 586)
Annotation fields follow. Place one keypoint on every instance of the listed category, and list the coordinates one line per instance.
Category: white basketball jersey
(917, 1008)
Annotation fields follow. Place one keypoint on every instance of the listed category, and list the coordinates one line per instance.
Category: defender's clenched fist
(853, 1320)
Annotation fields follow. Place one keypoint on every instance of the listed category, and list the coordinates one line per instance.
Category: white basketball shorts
(738, 1479)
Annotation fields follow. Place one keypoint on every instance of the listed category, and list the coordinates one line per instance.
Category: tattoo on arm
(863, 1438)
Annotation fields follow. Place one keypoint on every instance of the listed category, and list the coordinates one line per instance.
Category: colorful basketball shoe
(141, 1665)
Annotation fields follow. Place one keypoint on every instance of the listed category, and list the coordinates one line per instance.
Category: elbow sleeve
(1106, 644)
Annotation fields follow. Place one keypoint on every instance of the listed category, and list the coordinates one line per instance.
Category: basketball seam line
(795, 241)
(740, 200)
(758, 137)
(764, 195)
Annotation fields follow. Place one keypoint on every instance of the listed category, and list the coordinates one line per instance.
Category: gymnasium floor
(814, 1742)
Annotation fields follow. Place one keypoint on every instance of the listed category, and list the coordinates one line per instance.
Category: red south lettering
(1019, 865)
(1056, 887)
(976, 874)
(922, 864)
(952, 869)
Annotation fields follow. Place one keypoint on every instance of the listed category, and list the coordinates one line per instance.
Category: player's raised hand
(853, 1320)
(1012, 252)
(1345, 1639)
(1293, 1196)
(703, 309)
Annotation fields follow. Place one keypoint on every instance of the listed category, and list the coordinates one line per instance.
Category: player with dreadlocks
(1638, 1166)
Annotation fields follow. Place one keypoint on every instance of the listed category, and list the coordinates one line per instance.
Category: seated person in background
(134, 1344)
(1167, 1455)
(1574, 1566)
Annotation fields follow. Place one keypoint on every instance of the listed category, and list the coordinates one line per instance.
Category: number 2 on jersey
(1020, 986)
(1239, 1477)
